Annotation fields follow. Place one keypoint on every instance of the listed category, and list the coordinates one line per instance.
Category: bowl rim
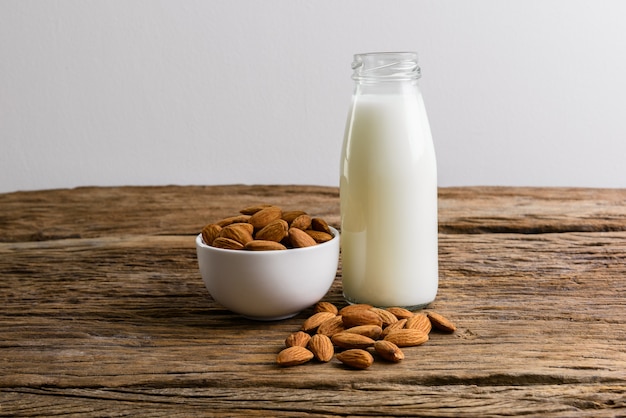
(201, 244)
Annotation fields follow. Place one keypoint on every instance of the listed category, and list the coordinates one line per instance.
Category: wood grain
(104, 312)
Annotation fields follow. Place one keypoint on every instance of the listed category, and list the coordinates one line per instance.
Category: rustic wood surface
(104, 312)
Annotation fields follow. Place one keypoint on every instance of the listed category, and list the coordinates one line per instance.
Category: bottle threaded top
(385, 66)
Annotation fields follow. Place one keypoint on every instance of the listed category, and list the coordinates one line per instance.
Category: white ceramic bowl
(268, 285)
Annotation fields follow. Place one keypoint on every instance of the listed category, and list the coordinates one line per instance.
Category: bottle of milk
(388, 187)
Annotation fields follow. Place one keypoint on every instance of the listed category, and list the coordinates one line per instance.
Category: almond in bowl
(267, 268)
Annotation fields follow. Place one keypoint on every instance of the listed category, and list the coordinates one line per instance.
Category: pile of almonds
(354, 330)
(265, 228)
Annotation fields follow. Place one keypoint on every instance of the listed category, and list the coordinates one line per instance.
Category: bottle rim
(385, 66)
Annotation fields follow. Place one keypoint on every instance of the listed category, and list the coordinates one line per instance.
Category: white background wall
(144, 92)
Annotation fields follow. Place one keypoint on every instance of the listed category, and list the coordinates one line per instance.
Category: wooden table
(104, 312)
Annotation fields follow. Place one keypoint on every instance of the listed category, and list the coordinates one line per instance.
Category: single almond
(297, 338)
(319, 236)
(290, 215)
(302, 222)
(349, 340)
(322, 347)
(400, 313)
(355, 307)
(356, 358)
(293, 356)
(227, 244)
(251, 210)
(325, 307)
(387, 317)
(331, 326)
(391, 327)
(239, 232)
(361, 317)
(314, 321)
(420, 322)
(233, 220)
(261, 245)
(318, 224)
(210, 232)
(371, 331)
(407, 337)
(441, 322)
(274, 231)
(300, 239)
(389, 351)
(265, 216)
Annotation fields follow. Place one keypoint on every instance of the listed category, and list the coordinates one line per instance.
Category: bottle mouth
(385, 66)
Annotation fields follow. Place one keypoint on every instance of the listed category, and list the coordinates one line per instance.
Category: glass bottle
(388, 187)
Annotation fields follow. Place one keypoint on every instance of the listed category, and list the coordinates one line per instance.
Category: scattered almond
(355, 307)
(371, 331)
(297, 338)
(293, 356)
(387, 317)
(441, 322)
(385, 337)
(356, 358)
(314, 321)
(407, 337)
(420, 322)
(322, 347)
(325, 307)
(388, 350)
(361, 317)
(350, 340)
(331, 326)
(400, 313)
(396, 325)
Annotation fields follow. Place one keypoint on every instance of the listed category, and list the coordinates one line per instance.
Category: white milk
(389, 202)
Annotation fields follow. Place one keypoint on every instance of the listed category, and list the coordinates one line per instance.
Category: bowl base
(271, 318)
